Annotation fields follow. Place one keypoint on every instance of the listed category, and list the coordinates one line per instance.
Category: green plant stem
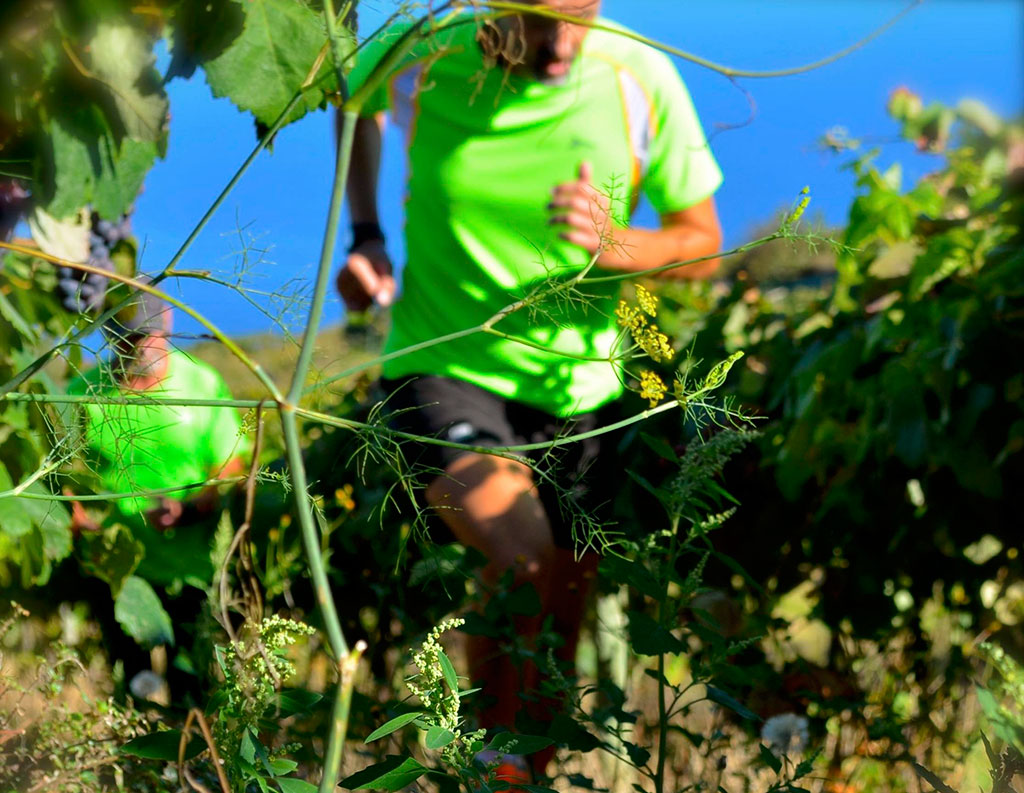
(393, 57)
(141, 399)
(663, 719)
(333, 421)
(339, 717)
(659, 774)
(18, 492)
(310, 537)
(224, 193)
(344, 156)
(627, 276)
(135, 284)
(289, 424)
(727, 71)
(487, 325)
(538, 346)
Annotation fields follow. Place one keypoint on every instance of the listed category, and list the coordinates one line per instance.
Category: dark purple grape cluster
(13, 203)
(84, 292)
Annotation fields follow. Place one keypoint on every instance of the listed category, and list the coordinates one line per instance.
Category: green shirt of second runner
(140, 447)
(144, 447)
(485, 150)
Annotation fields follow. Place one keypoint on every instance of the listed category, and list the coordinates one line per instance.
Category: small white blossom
(149, 686)
(785, 734)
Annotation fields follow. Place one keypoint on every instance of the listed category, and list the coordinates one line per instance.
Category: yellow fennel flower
(647, 301)
(652, 387)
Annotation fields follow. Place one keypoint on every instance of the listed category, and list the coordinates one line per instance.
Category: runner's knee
(491, 504)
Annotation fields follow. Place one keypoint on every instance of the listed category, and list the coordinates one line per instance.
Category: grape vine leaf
(34, 532)
(118, 183)
(269, 61)
(68, 181)
(200, 32)
(121, 59)
(88, 166)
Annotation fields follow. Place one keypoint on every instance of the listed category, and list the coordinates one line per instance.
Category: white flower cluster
(441, 701)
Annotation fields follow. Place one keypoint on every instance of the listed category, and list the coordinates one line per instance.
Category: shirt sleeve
(682, 170)
(367, 60)
(224, 440)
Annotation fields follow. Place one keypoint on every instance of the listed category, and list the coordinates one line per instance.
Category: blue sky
(944, 50)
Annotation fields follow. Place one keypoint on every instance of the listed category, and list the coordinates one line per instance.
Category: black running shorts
(460, 412)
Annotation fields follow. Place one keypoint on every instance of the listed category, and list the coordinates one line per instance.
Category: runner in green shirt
(137, 448)
(530, 141)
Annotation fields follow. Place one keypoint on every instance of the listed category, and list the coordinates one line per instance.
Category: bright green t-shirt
(151, 447)
(485, 150)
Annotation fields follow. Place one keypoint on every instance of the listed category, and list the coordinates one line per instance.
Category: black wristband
(365, 232)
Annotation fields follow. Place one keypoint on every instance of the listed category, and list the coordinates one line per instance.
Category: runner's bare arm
(364, 169)
(687, 234)
(366, 275)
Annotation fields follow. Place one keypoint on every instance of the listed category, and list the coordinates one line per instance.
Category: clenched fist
(367, 277)
(587, 214)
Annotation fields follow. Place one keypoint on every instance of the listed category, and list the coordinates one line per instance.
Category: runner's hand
(366, 277)
(586, 212)
(167, 515)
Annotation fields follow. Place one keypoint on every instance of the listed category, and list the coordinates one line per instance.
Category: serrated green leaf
(769, 759)
(393, 774)
(88, 166)
(68, 183)
(20, 517)
(391, 726)
(569, 733)
(1004, 728)
(161, 745)
(297, 700)
(267, 63)
(138, 610)
(660, 446)
(439, 737)
(201, 32)
(247, 748)
(511, 743)
(282, 766)
(292, 785)
(121, 59)
(121, 176)
(14, 521)
(805, 766)
(648, 637)
(448, 670)
(633, 573)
